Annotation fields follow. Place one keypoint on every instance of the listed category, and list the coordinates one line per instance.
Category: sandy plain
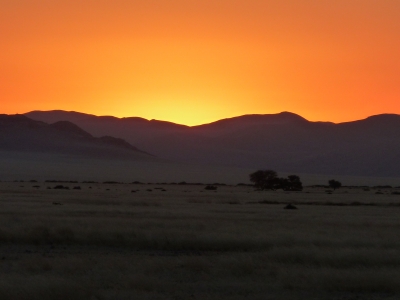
(44, 166)
(153, 241)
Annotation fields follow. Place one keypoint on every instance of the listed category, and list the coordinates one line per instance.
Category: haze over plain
(224, 151)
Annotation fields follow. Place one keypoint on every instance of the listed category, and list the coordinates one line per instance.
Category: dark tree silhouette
(294, 183)
(265, 179)
(284, 184)
(334, 184)
(269, 180)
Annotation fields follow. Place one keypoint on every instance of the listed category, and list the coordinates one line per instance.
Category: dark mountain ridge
(248, 120)
(285, 142)
(22, 134)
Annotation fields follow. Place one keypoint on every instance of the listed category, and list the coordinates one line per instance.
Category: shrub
(334, 184)
(210, 188)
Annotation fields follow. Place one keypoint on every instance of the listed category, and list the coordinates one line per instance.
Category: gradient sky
(196, 61)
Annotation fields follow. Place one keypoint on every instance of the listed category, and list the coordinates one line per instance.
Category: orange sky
(196, 61)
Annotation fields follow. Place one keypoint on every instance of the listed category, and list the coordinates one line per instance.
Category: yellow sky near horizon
(194, 62)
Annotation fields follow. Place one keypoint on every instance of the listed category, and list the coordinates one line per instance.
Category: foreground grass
(105, 242)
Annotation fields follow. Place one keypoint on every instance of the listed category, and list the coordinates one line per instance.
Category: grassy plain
(184, 242)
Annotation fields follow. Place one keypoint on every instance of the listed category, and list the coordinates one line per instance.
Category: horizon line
(217, 120)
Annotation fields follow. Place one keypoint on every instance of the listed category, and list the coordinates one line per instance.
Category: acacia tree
(294, 183)
(269, 180)
(334, 184)
(265, 179)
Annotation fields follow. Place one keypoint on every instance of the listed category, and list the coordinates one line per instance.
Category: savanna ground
(184, 242)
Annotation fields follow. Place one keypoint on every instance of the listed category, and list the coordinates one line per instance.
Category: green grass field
(184, 242)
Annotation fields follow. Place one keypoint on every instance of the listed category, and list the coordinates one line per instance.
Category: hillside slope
(285, 142)
(19, 133)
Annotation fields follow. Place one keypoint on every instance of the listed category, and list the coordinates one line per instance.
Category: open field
(25, 166)
(147, 241)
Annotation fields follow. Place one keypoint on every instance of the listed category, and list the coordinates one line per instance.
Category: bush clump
(211, 188)
(269, 180)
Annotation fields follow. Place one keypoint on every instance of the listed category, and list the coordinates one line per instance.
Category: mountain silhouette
(19, 133)
(285, 142)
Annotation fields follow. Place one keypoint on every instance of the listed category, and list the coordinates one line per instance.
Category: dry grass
(188, 243)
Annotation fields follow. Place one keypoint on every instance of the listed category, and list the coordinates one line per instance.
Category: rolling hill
(285, 142)
(19, 133)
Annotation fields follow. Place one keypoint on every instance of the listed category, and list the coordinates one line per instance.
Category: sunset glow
(194, 62)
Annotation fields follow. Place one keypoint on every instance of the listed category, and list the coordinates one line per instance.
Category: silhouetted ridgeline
(284, 142)
(19, 133)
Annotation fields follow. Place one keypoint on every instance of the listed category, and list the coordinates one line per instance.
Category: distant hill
(19, 133)
(285, 142)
